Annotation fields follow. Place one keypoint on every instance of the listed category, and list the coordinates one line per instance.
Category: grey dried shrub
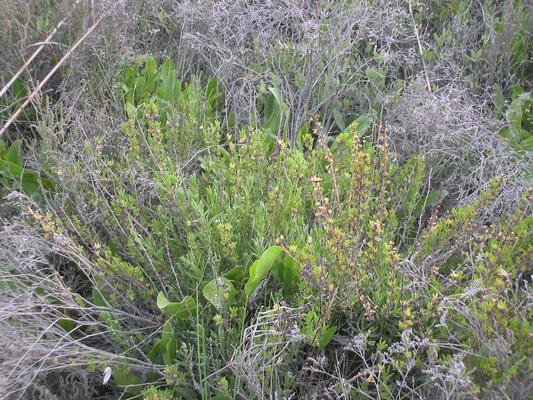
(460, 140)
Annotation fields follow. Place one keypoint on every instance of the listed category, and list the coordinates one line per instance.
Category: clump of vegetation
(275, 218)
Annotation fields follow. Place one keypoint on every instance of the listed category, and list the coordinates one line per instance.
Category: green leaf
(363, 123)
(326, 337)
(13, 153)
(219, 292)
(277, 270)
(286, 271)
(339, 120)
(377, 76)
(11, 170)
(19, 90)
(165, 348)
(123, 376)
(139, 90)
(527, 144)
(514, 118)
(185, 393)
(98, 298)
(67, 325)
(166, 89)
(273, 112)
(426, 202)
(167, 69)
(131, 111)
(211, 88)
(517, 91)
(150, 68)
(302, 133)
(153, 354)
(235, 274)
(169, 355)
(498, 100)
(259, 268)
(182, 309)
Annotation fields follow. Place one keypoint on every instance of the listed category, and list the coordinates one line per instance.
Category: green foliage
(154, 394)
(208, 238)
(519, 118)
(15, 176)
(212, 252)
(285, 271)
(275, 113)
(182, 309)
(342, 217)
(463, 292)
(219, 292)
(149, 86)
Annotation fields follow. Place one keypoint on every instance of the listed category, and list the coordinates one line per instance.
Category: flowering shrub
(185, 263)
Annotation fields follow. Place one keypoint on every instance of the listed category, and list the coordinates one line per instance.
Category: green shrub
(204, 266)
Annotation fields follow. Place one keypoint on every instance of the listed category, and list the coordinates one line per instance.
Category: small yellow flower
(218, 319)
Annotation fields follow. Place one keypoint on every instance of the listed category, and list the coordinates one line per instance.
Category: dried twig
(29, 61)
(419, 46)
(54, 70)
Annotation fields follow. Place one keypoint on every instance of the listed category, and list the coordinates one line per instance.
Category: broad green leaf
(182, 309)
(150, 68)
(19, 90)
(123, 376)
(168, 332)
(153, 354)
(185, 393)
(363, 123)
(67, 325)
(165, 348)
(98, 298)
(11, 170)
(514, 118)
(498, 100)
(167, 68)
(339, 120)
(277, 269)
(235, 274)
(273, 112)
(426, 202)
(13, 153)
(260, 267)
(326, 337)
(302, 133)
(286, 271)
(139, 90)
(527, 144)
(517, 91)
(169, 355)
(211, 88)
(131, 111)
(30, 184)
(377, 76)
(219, 292)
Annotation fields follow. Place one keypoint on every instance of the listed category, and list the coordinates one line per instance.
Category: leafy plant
(285, 271)
(142, 86)
(275, 114)
(15, 175)
(519, 118)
